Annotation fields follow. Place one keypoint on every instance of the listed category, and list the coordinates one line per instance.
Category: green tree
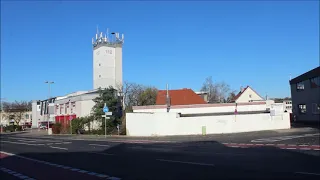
(108, 96)
(148, 96)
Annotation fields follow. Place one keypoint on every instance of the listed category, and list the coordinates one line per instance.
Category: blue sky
(181, 43)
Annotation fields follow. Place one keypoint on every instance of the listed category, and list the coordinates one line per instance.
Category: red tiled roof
(179, 97)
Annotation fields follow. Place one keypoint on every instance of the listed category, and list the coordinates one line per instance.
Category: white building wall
(107, 66)
(86, 107)
(245, 96)
(118, 66)
(162, 124)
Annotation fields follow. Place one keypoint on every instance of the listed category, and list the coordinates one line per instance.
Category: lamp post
(49, 83)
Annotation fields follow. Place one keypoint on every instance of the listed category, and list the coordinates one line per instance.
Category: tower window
(99, 75)
(99, 64)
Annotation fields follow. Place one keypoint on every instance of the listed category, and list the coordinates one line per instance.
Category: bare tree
(137, 95)
(217, 92)
(16, 110)
(231, 97)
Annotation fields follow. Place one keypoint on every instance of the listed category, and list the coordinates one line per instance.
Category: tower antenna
(97, 32)
(107, 33)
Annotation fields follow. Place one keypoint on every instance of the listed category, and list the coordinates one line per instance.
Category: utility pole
(49, 83)
(70, 117)
(168, 99)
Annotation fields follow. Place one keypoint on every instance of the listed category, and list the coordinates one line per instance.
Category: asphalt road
(228, 157)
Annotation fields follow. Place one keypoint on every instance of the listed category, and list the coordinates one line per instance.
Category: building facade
(247, 95)
(287, 104)
(107, 60)
(305, 94)
(26, 119)
(107, 71)
(63, 108)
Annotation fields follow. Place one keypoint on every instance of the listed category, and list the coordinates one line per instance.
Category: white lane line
(64, 167)
(27, 140)
(22, 143)
(308, 173)
(105, 154)
(66, 142)
(58, 147)
(104, 145)
(185, 162)
(16, 174)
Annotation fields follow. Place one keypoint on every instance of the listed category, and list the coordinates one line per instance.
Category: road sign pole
(105, 125)
(105, 121)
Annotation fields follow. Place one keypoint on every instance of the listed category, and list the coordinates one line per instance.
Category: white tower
(107, 60)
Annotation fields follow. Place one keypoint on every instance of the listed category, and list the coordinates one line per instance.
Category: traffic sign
(105, 109)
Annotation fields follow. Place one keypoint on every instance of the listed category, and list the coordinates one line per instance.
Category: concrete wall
(310, 97)
(107, 66)
(204, 108)
(245, 96)
(118, 66)
(161, 124)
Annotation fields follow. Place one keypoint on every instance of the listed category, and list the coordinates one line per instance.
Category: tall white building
(107, 60)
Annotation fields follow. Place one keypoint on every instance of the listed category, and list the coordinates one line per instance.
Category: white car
(43, 127)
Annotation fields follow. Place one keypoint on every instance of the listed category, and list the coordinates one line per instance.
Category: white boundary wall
(204, 108)
(162, 124)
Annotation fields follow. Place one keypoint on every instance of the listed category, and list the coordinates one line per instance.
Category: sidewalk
(235, 137)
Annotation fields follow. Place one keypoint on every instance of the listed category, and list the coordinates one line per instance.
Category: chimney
(241, 89)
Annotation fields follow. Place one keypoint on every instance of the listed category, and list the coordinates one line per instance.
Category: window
(27, 116)
(302, 108)
(66, 109)
(315, 82)
(315, 108)
(99, 64)
(73, 107)
(300, 86)
(99, 75)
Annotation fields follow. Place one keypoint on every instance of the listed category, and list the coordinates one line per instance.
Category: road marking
(58, 147)
(308, 173)
(99, 145)
(66, 142)
(23, 143)
(105, 154)
(27, 140)
(288, 148)
(185, 162)
(282, 138)
(64, 167)
(16, 174)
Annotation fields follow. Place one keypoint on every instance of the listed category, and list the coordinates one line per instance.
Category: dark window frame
(300, 87)
(301, 110)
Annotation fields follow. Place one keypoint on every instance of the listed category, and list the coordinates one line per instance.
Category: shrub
(56, 128)
(13, 128)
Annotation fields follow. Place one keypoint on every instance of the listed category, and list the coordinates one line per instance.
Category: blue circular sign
(106, 109)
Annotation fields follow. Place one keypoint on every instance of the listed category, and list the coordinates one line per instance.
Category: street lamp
(49, 83)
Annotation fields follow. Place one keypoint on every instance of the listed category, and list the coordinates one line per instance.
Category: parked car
(80, 131)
